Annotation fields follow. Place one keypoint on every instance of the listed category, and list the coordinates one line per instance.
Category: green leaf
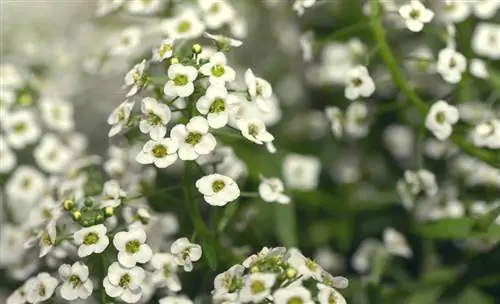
(209, 251)
(285, 224)
(474, 295)
(430, 295)
(455, 229)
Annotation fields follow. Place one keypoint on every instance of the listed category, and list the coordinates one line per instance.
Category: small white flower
(40, 288)
(180, 82)
(77, 284)
(165, 271)
(259, 90)
(358, 83)
(305, 267)
(223, 40)
(415, 15)
(135, 78)
(257, 287)
(175, 300)
(399, 140)
(453, 11)
(218, 189)
(395, 243)
(301, 172)
(487, 134)
(164, 51)
(217, 70)
(440, 118)
(421, 180)
(161, 153)
(216, 13)
(124, 283)
(144, 6)
(21, 128)
(186, 25)
(23, 188)
(477, 68)
(327, 295)
(361, 260)
(218, 105)
(12, 239)
(45, 238)
(118, 119)
(112, 194)
(185, 253)
(91, 239)
(48, 210)
(451, 64)
(156, 117)
(132, 248)
(299, 6)
(336, 119)
(18, 296)
(486, 40)
(485, 9)
(126, 42)
(356, 120)
(255, 131)
(57, 114)
(52, 155)
(193, 138)
(104, 7)
(224, 281)
(7, 157)
(11, 76)
(271, 190)
(292, 294)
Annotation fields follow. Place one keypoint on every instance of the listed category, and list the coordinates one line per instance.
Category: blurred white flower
(21, 128)
(395, 243)
(8, 158)
(301, 172)
(271, 190)
(358, 83)
(216, 13)
(165, 271)
(299, 6)
(440, 119)
(486, 40)
(477, 68)
(186, 25)
(415, 15)
(259, 90)
(487, 134)
(185, 253)
(485, 9)
(451, 64)
(52, 155)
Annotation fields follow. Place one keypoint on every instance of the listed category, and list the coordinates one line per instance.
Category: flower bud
(174, 60)
(68, 205)
(291, 273)
(196, 49)
(109, 211)
(254, 269)
(76, 215)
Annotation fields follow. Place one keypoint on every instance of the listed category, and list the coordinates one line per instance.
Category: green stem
(104, 266)
(196, 219)
(249, 194)
(398, 78)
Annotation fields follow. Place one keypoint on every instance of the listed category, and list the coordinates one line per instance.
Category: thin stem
(104, 296)
(249, 194)
(196, 219)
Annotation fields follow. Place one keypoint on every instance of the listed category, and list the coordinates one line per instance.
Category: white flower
(327, 295)
(12, 239)
(126, 42)
(124, 283)
(193, 138)
(301, 172)
(180, 80)
(477, 68)
(395, 243)
(7, 158)
(485, 9)
(135, 78)
(399, 140)
(451, 64)
(486, 40)
(185, 253)
(57, 114)
(164, 51)
(132, 248)
(336, 119)
(105, 7)
(165, 271)
(77, 284)
(216, 13)
(440, 118)
(224, 281)
(52, 155)
(254, 130)
(23, 188)
(356, 120)
(292, 294)
(487, 134)
(186, 25)
(45, 238)
(18, 296)
(218, 189)
(40, 288)
(421, 180)
(7, 99)
(156, 116)
(162, 153)
(91, 239)
(218, 105)
(415, 15)
(144, 6)
(223, 40)
(362, 259)
(48, 210)
(175, 300)
(217, 70)
(300, 5)
(21, 128)
(112, 194)
(118, 119)
(271, 190)
(256, 287)
(358, 83)
(11, 76)
(453, 11)
(259, 90)
(328, 259)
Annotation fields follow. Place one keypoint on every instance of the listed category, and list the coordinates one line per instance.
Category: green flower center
(132, 246)
(440, 117)
(452, 63)
(183, 26)
(136, 76)
(20, 127)
(121, 114)
(46, 240)
(153, 119)
(332, 300)
(193, 138)
(295, 300)
(253, 130)
(217, 106)
(25, 183)
(357, 82)
(218, 185)
(159, 151)
(124, 281)
(91, 238)
(414, 14)
(311, 265)
(41, 290)
(56, 113)
(257, 287)
(164, 48)
(167, 271)
(75, 281)
(215, 8)
(46, 214)
(180, 80)
(217, 70)
(25, 99)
